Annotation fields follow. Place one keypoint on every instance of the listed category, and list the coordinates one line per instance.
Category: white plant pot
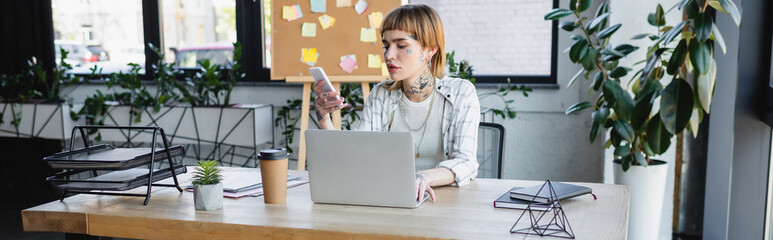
(246, 126)
(208, 197)
(647, 188)
(44, 120)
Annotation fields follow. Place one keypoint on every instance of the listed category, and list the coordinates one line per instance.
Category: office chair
(491, 142)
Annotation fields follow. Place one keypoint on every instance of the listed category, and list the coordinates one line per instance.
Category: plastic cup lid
(273, 154)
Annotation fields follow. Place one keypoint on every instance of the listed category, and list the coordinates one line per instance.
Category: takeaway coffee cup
(273, 172)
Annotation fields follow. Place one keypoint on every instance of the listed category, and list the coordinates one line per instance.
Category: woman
(441, 113)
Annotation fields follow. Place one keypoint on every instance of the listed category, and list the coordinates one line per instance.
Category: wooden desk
(336, 116)
(460, 213)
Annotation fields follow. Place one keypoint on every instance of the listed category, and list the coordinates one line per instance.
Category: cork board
(342, 39)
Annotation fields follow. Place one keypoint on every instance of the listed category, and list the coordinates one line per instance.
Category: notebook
(362, 168)
(506, 202)
(563, 191)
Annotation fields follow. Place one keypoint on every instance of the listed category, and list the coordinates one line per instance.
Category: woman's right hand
(326, 102)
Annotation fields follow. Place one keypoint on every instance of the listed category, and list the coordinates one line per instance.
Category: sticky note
(287, 12)
(368, 34)
(298, 12)
(360, 6)
(384, 71)
(374, 61)
(326, 21)
(343, 3)
(310, 63)
(309, 55)
(291, 12)
(348, 64)
(375, 19)
(352, 56)
(309, 30)
(317, 6)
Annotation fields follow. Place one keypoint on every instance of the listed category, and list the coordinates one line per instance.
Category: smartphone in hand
(319, 76)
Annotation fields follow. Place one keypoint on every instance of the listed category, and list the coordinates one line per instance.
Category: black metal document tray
(107, 157)
(117, 180)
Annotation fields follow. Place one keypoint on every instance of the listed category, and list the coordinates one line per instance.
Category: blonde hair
(424, 23)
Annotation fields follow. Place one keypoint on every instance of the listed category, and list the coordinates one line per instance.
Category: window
(501, 39)
(105, 33)
(198, 30)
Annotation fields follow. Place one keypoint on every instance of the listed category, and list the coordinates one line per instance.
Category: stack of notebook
(539, 200)
(246, 183)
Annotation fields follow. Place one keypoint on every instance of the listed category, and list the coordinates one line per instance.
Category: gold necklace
(426, 119)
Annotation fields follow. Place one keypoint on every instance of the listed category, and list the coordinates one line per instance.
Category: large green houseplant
(680, 78)
(671, 91)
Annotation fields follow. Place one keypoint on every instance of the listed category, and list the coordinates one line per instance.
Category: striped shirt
(461, 116)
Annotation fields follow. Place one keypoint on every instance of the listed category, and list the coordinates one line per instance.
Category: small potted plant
(207, 188)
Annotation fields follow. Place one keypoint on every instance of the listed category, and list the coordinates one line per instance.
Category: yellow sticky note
(368, 34)
(343, 3)
(375, 19)
(309, 30)
(309, 55)
(374, 61)
(326, 21)
(287, 12)
(384, 71)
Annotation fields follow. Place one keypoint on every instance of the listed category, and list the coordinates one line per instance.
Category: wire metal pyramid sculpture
(551, 222)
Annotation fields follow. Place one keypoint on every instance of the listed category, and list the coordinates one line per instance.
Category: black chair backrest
(491, 142)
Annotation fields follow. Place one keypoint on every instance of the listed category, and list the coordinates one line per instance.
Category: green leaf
(580, 5)
(608, 31)
(651, 19)
(703, 26)
(658, 138)
(598, 116)
(640, 36)
(700, 56)
(625, 48)
(589, 59)
(651, 63)
(557, 14)
(695, 121)
(598, 80)
(704, 86)
(602, 9)
(626, 162)
(578, 107)
(677, 57)
(618, 72)
(676, 103)
(607, 51)
(639, 157)
(576, 76)
(642, 109)
(619, 99)
(660, 20)
(600, 19)
(717, 37)
(567, 26)
(577, 49)
(623, 151)
(716, 5)
(671, 34)
(730, 7)
(511, 114)
(624, 129)
(576, 37)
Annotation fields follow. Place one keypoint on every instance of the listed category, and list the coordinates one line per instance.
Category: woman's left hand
(422, 185)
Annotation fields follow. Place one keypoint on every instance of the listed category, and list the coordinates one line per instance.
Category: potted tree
(207, 188)
(670, 92)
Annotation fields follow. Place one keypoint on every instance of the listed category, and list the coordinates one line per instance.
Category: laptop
(362, 168)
